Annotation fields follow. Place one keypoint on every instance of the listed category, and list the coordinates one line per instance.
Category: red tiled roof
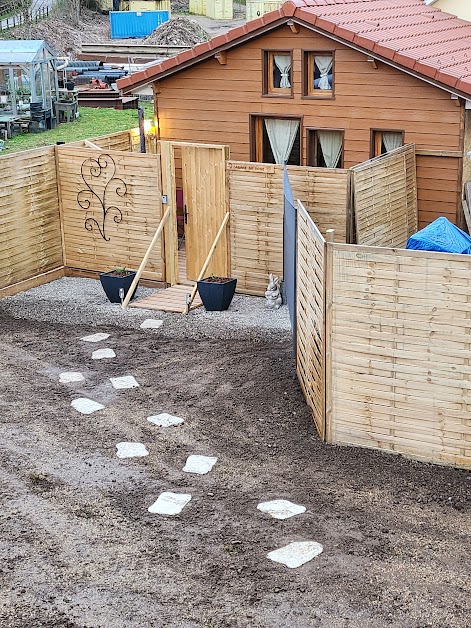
(407, 33)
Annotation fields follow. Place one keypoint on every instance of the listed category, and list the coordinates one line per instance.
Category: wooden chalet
(330, 83)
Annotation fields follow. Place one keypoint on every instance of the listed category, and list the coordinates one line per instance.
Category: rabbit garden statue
(272, 294)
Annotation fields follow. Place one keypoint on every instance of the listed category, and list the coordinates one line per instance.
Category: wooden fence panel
(401, 352)
(114, 141)
(129, 186)
(256, 206)
(29, 216)
(385, 192)
(310, 312)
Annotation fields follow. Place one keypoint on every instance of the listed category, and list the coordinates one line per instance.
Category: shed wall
(210, 102)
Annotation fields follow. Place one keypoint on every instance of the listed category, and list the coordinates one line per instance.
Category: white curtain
(391, 140)
(331, 145)
(324, 65)
(281, 134)
(283, 63)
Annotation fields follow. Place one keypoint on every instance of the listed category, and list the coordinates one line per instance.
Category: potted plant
(216, 292)
(117, 282)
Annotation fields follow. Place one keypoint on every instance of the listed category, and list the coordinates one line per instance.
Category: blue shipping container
(124, 24)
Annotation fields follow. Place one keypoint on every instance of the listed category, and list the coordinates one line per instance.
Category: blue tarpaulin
(441, 235)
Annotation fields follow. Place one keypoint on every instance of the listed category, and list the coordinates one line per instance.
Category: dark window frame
(308, 63)
(311, 154)
(256, 119)
(268, 91)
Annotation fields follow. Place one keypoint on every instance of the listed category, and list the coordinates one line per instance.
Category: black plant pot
(112, 284)
(216, 296)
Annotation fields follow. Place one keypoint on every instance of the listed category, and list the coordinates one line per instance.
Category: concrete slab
(131, 450)
(281, 508)
(95, 337)
(152, 323)
(165, 420)
(126, 381)
(199, 464)
(296, 554)
(70, 377)
(101, 354)
(170, 503)
(86, 406)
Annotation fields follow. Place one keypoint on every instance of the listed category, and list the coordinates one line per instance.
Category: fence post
(328, 292)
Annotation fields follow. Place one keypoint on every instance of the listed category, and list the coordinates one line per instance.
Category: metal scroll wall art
(98, 174)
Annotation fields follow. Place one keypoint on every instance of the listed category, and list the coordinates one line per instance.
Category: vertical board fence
(256, 207)
(310, 305)
(29, 218)
(401, 352)
(385, 193)
(111, 207)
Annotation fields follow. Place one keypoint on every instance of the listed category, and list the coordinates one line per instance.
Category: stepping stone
(170, 503)
(296, 554)
(71, 376)
(126, 381)
(131, 450)
(86, 406)
(165, 419)
(199, 464)
(99, 354)
(281, 508)
(152, 323)
(95, 337)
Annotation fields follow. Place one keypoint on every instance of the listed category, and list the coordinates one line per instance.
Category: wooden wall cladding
(385, 192)
(256, 206)
(310, 332)
(29, 216)
(135, 192)
(401, 347)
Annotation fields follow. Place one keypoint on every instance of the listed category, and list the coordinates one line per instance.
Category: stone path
(171, 503)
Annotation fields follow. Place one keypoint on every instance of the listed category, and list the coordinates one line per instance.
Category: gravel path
(83, 302)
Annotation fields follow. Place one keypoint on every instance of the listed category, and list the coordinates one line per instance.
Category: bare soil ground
(78, 547)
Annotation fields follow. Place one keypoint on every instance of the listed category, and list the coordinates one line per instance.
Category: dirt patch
(79, 548)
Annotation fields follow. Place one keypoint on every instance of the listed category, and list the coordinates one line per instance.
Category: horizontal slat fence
(310, 303)
(29, 217)
(125, 241)
(114, 141)
(401, 352)
(256, 206)
(385, 192)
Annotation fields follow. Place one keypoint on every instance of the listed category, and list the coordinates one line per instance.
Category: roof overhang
(272, 26)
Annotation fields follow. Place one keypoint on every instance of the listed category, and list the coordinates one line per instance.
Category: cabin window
(319, 74)
(325, 148)
(276, 140)
(384, 141)
(277, 73)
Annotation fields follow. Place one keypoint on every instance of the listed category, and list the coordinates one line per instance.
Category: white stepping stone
(131, 450)
(95, 337)
(281, 508)
(296, 554)
(165, 419)
(126, 381)
(199, 464)
(71, 376)
(99, 354)
(86, 406)
(151, 323)
(170, 503)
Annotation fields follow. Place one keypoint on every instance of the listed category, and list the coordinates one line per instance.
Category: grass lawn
(91, 123)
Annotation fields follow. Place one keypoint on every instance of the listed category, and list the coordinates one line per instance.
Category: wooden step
(169, 300)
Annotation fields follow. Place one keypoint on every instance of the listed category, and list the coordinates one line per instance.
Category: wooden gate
(204, 192)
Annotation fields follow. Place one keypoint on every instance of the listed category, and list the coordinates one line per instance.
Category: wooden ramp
(169, 300)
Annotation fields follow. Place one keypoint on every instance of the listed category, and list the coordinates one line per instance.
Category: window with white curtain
(276, 140)
(277, 69)
(319, 74)
(385, 141)
(325, 148)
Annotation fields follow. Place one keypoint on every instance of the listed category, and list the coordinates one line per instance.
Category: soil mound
(178, 31)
